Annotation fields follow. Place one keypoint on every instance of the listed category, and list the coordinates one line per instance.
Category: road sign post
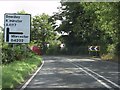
(17, 28)
(95, 50)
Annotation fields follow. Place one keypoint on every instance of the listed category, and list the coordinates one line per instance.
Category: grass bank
(110, 57)
(15, 73)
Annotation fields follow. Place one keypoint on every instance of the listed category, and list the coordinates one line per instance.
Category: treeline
(82, 24)
(90, 23)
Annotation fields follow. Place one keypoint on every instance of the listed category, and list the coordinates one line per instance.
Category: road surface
(73, 72)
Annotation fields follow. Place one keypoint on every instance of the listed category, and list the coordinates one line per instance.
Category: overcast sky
(32, 7)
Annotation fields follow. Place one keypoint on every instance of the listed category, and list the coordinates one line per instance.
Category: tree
(22, 12)
(78, 23)
(88, 24)
(42, 31)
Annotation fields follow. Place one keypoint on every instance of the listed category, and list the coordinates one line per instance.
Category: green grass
(110, 57)
(15, 73)
(0, 77)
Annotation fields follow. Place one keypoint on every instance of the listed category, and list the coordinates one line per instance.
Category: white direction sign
(94, 48)
(17, 28)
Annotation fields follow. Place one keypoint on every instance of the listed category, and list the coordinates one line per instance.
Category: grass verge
(15, 73)
(0, 77)
(110, 57)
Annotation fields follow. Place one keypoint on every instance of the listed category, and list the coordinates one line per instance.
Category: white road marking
(102, 77)
(107, 86)
(25, 85)
(97, 75)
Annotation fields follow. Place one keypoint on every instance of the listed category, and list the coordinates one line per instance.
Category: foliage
(89, 23)
(107, 57)
(117, 6)
(16, 72)
(42, 31)
(22, 12)
(0, 77)
(1, 36)
(14, 52)
(75, 22)
(53, 50)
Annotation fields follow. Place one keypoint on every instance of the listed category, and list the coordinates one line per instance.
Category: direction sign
(94, 48)
(17, 28)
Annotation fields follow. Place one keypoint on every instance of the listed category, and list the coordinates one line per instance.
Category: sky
(33, 7)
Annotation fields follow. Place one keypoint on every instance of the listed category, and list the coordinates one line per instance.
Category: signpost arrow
(96, 48)
(8, 33)
(90, 48)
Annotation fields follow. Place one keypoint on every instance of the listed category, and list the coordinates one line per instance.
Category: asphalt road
(76, 72)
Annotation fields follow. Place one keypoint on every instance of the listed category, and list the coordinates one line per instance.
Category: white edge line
(107, 86)
(25, 85)
(100, 76)
(103, 78)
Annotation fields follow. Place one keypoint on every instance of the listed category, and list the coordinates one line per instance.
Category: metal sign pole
(13, 47)
(94, 50)
(25, 51)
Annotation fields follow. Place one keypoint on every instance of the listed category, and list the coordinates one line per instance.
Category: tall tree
(42, 31)
(105, 21)
(78, 23)
(88, 23)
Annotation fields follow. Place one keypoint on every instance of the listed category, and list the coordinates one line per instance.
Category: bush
(73, 50)
(117, 49)
(111, 49)
(6, 54)
(107, 56)
(10, 53)
(53, 50)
